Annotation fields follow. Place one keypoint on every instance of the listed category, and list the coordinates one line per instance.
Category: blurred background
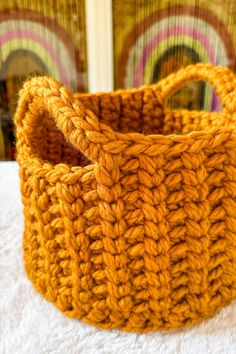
(144, 40)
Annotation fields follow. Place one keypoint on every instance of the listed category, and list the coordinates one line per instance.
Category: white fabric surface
(30, 324)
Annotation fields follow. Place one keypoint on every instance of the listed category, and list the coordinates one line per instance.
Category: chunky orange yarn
(141, 233)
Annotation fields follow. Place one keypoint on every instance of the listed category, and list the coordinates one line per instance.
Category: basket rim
(82, 128)
(33, 161)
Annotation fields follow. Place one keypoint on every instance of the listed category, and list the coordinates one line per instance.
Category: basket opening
(124, 111)
(139, 111)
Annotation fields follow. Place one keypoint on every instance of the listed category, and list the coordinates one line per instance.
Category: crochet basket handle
(45, 96)
(222, 79)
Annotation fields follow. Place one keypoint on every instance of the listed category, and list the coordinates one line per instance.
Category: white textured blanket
(31, 325)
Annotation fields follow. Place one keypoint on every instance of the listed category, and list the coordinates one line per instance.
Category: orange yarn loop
(130, 207)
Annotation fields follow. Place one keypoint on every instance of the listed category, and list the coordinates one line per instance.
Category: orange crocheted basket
(130, 207)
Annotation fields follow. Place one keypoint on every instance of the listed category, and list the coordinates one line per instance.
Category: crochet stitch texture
(129, 206)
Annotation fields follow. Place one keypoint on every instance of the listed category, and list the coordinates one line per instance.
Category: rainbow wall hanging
(50, 43)
(44, 37)
(189, 30)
